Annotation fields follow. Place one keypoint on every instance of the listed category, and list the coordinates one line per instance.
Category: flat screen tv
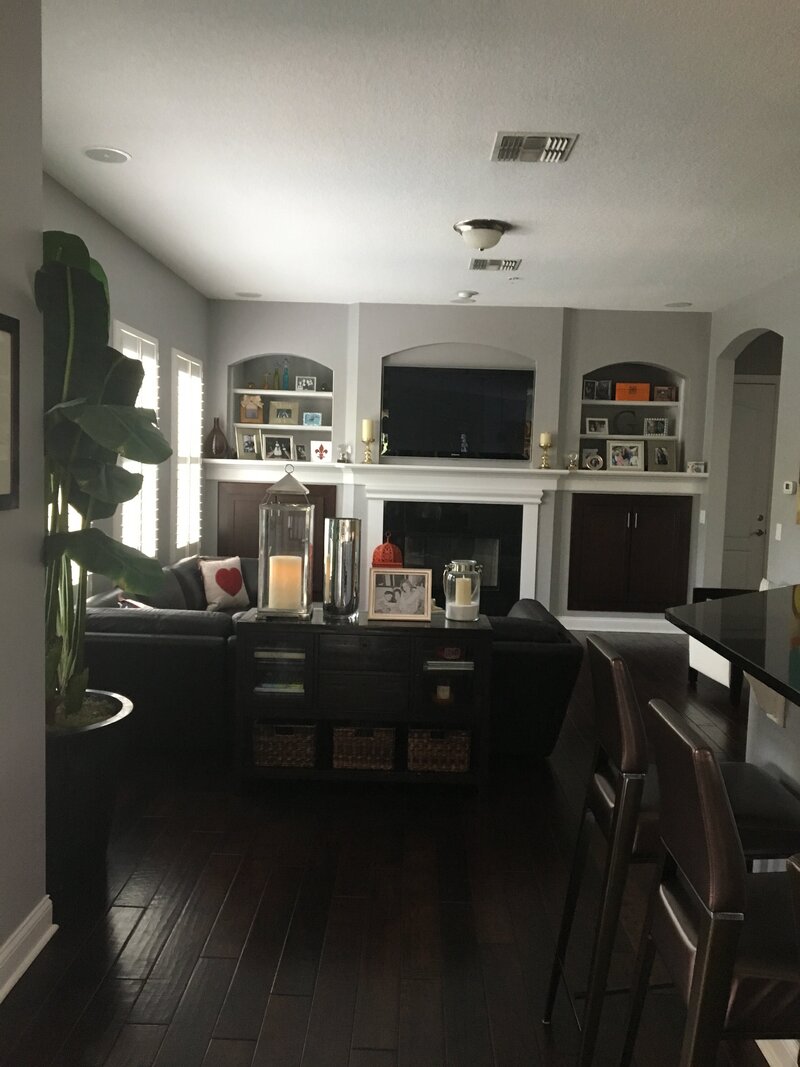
(456, 412)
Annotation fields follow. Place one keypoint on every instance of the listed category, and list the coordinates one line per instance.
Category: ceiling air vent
(533, 147)
(495, 264)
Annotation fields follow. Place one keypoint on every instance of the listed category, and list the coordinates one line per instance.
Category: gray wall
(21, 575)
(776, 308)
(146, 296)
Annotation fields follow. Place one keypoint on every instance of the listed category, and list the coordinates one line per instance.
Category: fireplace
(431, 533)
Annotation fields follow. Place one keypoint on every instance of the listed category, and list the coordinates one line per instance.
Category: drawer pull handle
(434, 665)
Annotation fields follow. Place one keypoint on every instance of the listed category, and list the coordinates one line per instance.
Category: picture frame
(9, 413)
(662, 456)
(696, 466)
(596, 427)
(589, 389)
(248, 443)
(656, 427)
(590, 458)
(301, 452)
(284, 411)
(320, 451)
(276, 445)
(603, 389)
(665, 393)
(625, 455)
(312, 418)
(251, 409)
(305, 383)
(400, 594)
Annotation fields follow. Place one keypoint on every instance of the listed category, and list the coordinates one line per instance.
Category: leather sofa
(176, 662)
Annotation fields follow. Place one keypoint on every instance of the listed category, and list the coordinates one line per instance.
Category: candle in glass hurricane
(285, 582)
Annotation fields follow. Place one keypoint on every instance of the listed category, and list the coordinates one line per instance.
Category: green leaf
(129, 431)
(101, 554)
(65, 248)
(105, 481)
(122, 378)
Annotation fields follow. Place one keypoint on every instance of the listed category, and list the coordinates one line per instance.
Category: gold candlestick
(367, 437)
(545, 443)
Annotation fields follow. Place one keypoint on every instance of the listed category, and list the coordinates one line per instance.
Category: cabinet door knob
(759, 533)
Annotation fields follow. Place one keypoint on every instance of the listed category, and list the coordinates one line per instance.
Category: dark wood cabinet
(370, 699)
(629, 552)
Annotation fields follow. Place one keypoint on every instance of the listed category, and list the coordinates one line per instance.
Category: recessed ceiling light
(679, 304)
(249, 296)
(465, 296)
(107, 155)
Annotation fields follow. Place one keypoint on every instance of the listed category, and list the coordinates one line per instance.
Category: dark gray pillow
(507, 628)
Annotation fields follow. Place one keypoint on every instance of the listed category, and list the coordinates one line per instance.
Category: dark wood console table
(366, 700)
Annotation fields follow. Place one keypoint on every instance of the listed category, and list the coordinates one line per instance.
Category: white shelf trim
(281, 426)
(286, 392)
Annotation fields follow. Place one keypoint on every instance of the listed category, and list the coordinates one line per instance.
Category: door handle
(636, 520)
(759, 533)
(628, 521)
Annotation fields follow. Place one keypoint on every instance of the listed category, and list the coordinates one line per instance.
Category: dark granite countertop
(759, 632)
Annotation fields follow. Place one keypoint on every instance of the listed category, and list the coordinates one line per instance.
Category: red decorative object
(387, 554)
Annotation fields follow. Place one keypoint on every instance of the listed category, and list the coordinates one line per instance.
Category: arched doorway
(751, 458)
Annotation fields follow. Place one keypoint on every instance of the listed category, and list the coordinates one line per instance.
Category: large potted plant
(90, 421)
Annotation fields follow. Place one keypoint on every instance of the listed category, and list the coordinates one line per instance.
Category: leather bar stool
(728, 938)
(622, 799)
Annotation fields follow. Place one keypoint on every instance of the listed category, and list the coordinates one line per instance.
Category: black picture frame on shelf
(589, 389)
(9, 413)
(603, 389)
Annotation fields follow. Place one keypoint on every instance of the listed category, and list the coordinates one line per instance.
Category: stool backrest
(696, 821)
(618, 718)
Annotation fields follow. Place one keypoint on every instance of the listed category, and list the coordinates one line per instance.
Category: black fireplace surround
(430, 534)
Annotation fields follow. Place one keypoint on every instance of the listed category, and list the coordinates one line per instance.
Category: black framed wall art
(9, 413)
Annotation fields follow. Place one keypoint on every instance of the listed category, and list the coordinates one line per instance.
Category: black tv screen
(455, 412)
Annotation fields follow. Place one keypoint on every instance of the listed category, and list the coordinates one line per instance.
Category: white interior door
(750, 465)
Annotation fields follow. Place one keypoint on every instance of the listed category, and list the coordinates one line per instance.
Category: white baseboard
(779, 1053)
(621, 624)
(25, 944)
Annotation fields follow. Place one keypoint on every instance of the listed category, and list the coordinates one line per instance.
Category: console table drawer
(382, 695)
(348, 652)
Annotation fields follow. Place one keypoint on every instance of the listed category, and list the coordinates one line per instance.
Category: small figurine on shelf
(286, 374)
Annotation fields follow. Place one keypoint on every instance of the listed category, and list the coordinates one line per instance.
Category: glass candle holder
(285, 545)
(462, 590)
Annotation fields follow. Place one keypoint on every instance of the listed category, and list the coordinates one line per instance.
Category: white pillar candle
(367, 431)
(463, 591)
(545, 439)
(285, 583)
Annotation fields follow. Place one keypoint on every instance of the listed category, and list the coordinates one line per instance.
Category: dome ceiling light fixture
(482, 233)
(465, 296)
(107, 155)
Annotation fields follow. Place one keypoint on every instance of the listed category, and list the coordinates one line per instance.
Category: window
(138, 518)
(187, 421)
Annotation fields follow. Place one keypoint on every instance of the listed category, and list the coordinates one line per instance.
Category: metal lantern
(285, 550)
(462, 590)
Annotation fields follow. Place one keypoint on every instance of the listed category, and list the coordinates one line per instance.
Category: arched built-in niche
(639, 405)
(296, 395)
(459, 401)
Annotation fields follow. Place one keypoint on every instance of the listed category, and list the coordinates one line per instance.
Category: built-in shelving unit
(625, 421)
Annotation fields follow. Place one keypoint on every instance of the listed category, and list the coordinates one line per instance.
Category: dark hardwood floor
(346, 925)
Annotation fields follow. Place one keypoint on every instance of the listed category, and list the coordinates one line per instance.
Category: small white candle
(463, 591)
(443, 693)
(545, 439)
(285, 583)
(367, 431)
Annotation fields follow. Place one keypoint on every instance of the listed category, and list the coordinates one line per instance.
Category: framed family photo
(9, 413)
(656, 427)
(312, 418)
(284, 411)
(401, 594)
(661, 455)
(596, 426)
(301, 452)
(248, 443)
(628, 454)
(305, 383)
(276, 446)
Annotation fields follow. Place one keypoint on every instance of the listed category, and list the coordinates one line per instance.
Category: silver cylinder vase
(342, 569)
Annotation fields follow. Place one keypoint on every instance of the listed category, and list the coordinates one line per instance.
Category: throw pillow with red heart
(224, 584)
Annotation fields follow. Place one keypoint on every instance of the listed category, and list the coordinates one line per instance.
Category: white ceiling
(322, 149)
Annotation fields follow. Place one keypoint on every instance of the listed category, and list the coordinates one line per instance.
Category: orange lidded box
(632, 391)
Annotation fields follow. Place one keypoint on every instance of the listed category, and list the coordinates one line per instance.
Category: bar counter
(759, 632)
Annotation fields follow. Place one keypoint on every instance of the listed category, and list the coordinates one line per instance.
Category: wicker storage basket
(363, 748)
(283, 746)
(439, 750)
